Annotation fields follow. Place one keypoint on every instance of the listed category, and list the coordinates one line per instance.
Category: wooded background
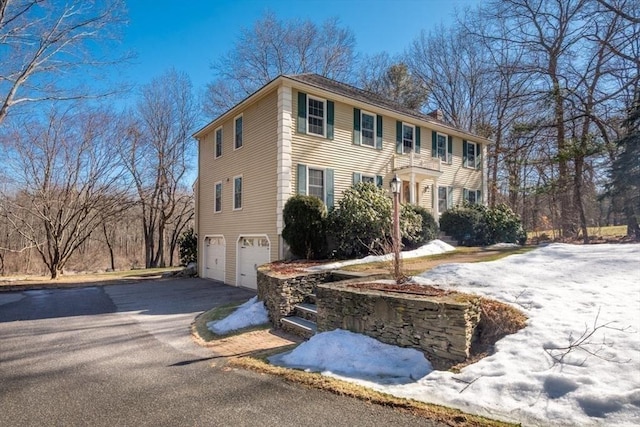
(88, 186)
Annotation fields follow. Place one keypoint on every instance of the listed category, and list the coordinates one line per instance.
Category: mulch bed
(405, 288)
(291, 267)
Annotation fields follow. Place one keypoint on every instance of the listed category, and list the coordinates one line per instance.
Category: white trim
(215, 142)
(324, 118)
(324, 180)
(215, 205)
(204, 255)
(235, 119)
(375, 125)
(233, 193)
(413, 144)
(368, 175)
(284, 160)
(241, 236)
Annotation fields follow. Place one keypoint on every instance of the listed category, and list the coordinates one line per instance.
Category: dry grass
(610, 231)
(442, 414)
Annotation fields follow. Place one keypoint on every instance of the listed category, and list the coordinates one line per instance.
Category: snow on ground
(434, 247)
(251, 313)
(566, 291)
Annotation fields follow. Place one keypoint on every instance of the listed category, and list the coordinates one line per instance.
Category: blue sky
(190, 34)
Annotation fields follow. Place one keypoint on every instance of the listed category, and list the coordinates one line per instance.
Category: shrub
(362, 221)
(305, 226)
(417, 226)
(477, 225)
(188, 247)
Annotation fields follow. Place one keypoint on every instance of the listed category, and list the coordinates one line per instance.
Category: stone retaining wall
(442, 327)
(281, 294)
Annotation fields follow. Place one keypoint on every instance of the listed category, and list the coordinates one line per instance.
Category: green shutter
(449, 149)
(465, 158)
(379, 132)
(356, 126)
(356, 178)
(302, 179)
(434, 143)
(479, 197)
(465, 194)
(417, 144)
(330, 119)
(329, 183)
(399, 137)
(302, 112)
(379, 180)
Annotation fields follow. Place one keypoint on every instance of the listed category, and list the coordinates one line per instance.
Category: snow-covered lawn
(566, 291)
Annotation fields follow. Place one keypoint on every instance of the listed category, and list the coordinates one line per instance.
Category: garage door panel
(215, 248)
(253, 251)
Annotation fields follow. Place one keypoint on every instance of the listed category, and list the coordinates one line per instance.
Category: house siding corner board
(345, 157)
(256, 163)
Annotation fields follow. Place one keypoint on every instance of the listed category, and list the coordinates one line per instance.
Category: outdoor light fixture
(395, 185)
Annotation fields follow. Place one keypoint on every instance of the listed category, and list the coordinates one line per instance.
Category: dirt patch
(405, 288)
(292, 267)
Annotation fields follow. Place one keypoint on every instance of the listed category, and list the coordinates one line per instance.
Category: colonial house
(307, 134)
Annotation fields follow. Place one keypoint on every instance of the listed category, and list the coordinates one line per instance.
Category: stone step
(306, 311)
(298, 326)
(310, 298)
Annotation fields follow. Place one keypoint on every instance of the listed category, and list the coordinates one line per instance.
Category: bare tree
(156, 150)
(65, 181)
(42, 40)
(271, 48)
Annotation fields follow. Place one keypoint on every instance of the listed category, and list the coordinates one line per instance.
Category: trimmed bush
(362, 221)
(188, 247)
(305, 226)
(477, 225)
(417, 226)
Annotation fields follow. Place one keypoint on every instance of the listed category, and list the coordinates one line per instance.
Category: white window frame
(235, 132)
(448, 198)
(217, 208)
(476, 148)
(413, 142)
(235, 208)
(476, 196)
(324, 181)
(215, 143)
(446, 147)
(374, 130)
(309, 116)
(367, 175)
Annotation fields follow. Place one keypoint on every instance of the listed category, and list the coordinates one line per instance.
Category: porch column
(412, 189)
(434, 197)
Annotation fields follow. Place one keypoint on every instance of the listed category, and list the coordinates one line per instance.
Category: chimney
(437, 114)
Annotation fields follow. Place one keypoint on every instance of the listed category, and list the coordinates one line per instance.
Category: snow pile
(434, 247)
(568, 292)
(341, 353)
(251, 313)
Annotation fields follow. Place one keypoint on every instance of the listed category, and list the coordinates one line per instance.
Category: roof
(351, 92)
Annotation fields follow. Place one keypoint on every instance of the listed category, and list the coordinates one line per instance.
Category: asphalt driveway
(122, 355)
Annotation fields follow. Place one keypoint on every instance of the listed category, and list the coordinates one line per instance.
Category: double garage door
(251, 251)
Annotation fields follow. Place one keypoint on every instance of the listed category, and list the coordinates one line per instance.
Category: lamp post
(395, 189)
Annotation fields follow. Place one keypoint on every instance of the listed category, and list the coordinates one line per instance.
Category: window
(237, 135)
(316, 183)
(408, 132)
(367, 178)
(217, 204)
(445, 198)
(315, 116)
(368, 129)
(237, 193)
(471, 154)
(442, 147)
(218, 142)
(472, 196)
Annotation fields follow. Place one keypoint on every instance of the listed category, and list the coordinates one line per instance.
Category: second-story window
(237, 136)
(218, 198)
(442, 147)
(408, 138)
(471, 154)
(316, 116)
(218, 142)
(368, 129)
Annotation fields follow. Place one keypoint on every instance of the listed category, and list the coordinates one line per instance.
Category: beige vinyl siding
(346, 158)
(256, 162)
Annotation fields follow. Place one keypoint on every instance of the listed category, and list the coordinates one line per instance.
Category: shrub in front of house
(417, 226)
(361, 223)
(188, 247)
(478, 225)
(305, 227)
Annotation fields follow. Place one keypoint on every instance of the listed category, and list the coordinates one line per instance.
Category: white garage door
(214, 248)
(253, 251)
